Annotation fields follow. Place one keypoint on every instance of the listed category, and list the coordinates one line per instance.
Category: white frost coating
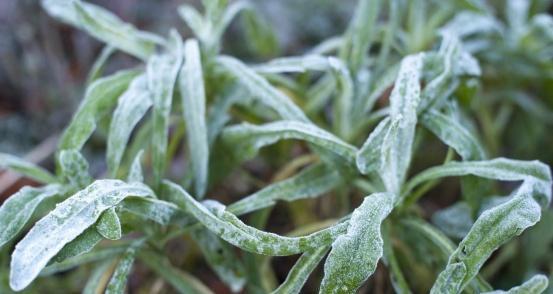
(103, 25)
(131, 107)
(63, 224)
(369, 155)
(536, 285)
(467, 23)
(74, 168)
(250, 138)
(162, 72)
(492, 229)
(26, 168)
(354, 255)
(398, 142)
(192, 90)
(16, 211)
(135, 171)
(311, 182)
(227, 226)
(262, 90)
(109, 225)
(454, 134)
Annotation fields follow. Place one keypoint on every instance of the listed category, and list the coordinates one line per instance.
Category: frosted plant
(359, 118)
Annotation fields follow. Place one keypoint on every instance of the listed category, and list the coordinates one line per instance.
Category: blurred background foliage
(44, 66)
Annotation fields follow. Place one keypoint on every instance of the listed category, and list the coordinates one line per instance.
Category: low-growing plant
(348, 120)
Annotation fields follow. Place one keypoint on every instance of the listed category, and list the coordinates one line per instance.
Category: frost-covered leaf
(311, 182)
(181, 281)
(221, 258)
(96, 281)
(492, 229)
(159, 211)
(63, 224)
(193, 103)
(26, 168)
(369, 156)
(454, 134)
(161, 73)
(354, 255)
(16, 211)
(131, 107)
(536, 285)
(455, 221)
(135, 171)
(227, 226)
(468, 23)
(247, 139)
(109, 225)
(104, 26)
(93, 256)
(100, 97)
(262, 90)
(74, 168)
(299, 273)
(398, 141)
(360, 33)
(501, 169)
(118, 281)
(84, 243)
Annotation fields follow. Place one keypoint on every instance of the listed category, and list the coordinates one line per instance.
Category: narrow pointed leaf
(262, 90)
(104, 26)
(247, 139)
(227, 226)
(135, 171)
(131, 108)
(26, 168)
(161, 72)
(311, 182)
(536, 285)
(354, 255)
(63, 224)
(100, 97)
(193, 103)
(18, 209)
(299, 273)
(118, 281)
(369, 156)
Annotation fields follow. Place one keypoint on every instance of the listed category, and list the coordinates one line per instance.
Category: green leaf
(262, 90)
(492, 229)
(181, 281)
(28, 169)
(398, 142)
(247, 139)
(221, 258)
(93, 256)
(135, 171)
(227, 226)
(536, 285)
(311, 182)
(118, 280)
(298, 275)
(455, 220)
(17, 210)
(354, 255)
(162, 72)
(84, 243)
(454, 134)
(74, 168)
(369, 156)
(131, 108)
(360, 33)
(63, 224)
(99, 64)
(159, 211)
(192, 91)
(99, 98)
(109, 225)
(96, 281)
(103, 25)
(501, 169)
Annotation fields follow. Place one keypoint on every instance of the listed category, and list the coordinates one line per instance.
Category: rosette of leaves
(357, 154)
